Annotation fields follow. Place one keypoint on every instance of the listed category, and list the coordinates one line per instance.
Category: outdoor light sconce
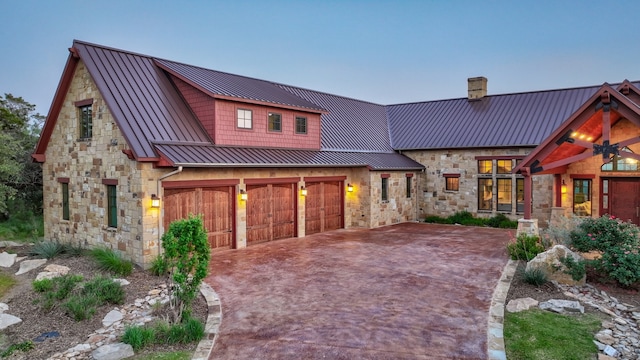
(243, 195)
(303, 191)
(349, 187)
(564, 187)
(155, 201)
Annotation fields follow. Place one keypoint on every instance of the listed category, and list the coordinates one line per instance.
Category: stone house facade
(262, 161)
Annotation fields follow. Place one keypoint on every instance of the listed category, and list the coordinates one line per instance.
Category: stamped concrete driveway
(407, 291)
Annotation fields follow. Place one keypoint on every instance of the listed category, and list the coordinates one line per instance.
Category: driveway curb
(214, 317)
(495, 330)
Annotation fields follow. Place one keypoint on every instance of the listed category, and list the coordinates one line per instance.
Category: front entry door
(625, 199)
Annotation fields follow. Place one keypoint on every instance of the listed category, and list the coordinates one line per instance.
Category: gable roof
(572, 140)
(509, 120)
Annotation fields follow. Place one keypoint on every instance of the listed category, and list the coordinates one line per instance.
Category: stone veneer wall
(434, 200)
(622, 130)
(86, 163)
(399, 208)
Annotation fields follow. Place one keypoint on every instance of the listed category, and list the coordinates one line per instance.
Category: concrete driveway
(407, 291)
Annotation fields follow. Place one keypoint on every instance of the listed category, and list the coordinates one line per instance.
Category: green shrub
(109, 260)
(186, 250)
(434, 219)
(73, 250)
(535, 277)
(577, 269)
(603, 233)
(47, 249)
(159, 266)
(138, 336)
(64, 285)
(81, 307)
(23, 346)
(461, 217)
(496, 220)
(42, 285)
(105, 290)
(525, 247)
(621, 263)
(194, 330)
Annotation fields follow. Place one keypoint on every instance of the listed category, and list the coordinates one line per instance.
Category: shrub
(460, 217)
(525, 247)
(81, 307)
(434, 219)
(105, 290)
(42, 285)
(138, 337)
(495, 221)
(47, 249)
(23, 346)
(621, 263)
(535, 277)
(159, 266)
(577, 269)
(560, 233)
(186, 250)
(109, 260)
(73, 250)
(602, 233)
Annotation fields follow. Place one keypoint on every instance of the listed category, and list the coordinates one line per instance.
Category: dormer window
(301, 125)
(275, 122)
(245, 119)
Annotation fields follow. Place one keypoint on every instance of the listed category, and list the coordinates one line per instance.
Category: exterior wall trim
(84, 102)
(385, 176)
(110, 181)
(500, 157)
(63, 180)
(323, 178)
(582, 176)
(265, 181)
(182, 184)
(451, 175)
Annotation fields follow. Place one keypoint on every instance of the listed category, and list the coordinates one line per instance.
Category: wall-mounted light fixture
(243, 195)
(303, 191)
(155, 201)
(349, 187)
(564, 187)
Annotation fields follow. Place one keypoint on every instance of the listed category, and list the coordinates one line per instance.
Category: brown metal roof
(217, 156)
(143, 101)
(523, 119)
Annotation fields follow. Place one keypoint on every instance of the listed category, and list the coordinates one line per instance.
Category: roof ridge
(112, 49)
(326, 93)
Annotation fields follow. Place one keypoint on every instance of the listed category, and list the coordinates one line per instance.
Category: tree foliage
(20, 178)
(186, 251)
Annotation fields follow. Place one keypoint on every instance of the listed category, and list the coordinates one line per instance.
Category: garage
(324, 204)
(271, 209)
(216, 205)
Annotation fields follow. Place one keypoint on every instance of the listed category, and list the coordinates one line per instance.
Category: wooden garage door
(271, 212)
(323, 207)
(214, 203)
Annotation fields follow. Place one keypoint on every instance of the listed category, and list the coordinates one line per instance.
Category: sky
(386, 52)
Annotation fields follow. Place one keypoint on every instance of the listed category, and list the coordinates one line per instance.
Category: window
(86, 123)
(582, 197)
(485, 167)
(605, 196)
(452, 182)
(301, 125)
(504, 166)
(520, 195)
(385, 189)
(618, 163)
(408, 186)
(275, 122)
(245, 118)
(65, 201)
(112, 206)
(485, 194)
(504, 194)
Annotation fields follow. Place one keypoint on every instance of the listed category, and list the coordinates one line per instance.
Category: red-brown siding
(201, 104)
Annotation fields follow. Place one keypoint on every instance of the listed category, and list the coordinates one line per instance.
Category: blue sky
(381, 51)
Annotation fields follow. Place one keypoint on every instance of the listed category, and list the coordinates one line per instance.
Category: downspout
(175, 172)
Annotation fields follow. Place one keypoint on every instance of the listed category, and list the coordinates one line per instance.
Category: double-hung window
(245, 119)
(85, 118)
(301, 125)
(275, 122)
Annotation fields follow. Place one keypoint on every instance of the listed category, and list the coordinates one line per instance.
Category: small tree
(186, 251)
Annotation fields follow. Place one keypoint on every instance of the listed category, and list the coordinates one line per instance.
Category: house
(133, 142)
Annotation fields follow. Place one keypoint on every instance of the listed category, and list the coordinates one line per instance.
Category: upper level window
(86, 123)
(452, 182)
(245, 119)
(618, 163)
(275, 122)
(504, 166)
(301, 125)
(485, 166)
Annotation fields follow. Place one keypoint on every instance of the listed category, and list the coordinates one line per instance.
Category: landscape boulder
(562, 306)
(522, 304)
(549, 263)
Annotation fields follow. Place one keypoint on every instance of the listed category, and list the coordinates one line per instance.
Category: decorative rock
(610, 351)
(81, 348)
(113, 352)
(549, 263)
(517, 305)
(63, 270)
(605, 338)
(562, 306)
(3, 307)
(47, 275)
(7, 320)
(122, 282)
(7, 260)
(605, 357)
(111, 318)
(5, 244)
(29, 265)
(599, 345)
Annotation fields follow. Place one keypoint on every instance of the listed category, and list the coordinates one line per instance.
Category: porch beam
(527, 194)
(627, 142)
(606, 125)
(567, 161)
(626, 154)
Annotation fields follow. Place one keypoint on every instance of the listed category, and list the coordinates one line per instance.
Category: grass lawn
(178, 355)
(6, 282)
(537, 335)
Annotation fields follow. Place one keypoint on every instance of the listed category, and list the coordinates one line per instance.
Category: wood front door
(625, 199)
(271, 212)
(323, 206)
(214, 203)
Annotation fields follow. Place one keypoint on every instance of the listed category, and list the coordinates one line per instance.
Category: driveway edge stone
(214, 317)
(495, 329)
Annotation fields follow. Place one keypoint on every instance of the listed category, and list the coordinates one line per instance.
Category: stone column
(241, 219)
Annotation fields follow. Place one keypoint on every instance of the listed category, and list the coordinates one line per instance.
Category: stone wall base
(528, 226)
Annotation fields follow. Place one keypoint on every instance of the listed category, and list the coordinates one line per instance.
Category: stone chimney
(477, 87)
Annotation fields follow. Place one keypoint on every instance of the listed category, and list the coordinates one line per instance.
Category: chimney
(477, 87)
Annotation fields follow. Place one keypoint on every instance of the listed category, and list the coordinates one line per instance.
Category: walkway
(407, 291)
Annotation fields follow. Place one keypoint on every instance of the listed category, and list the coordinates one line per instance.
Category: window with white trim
(245, 119)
